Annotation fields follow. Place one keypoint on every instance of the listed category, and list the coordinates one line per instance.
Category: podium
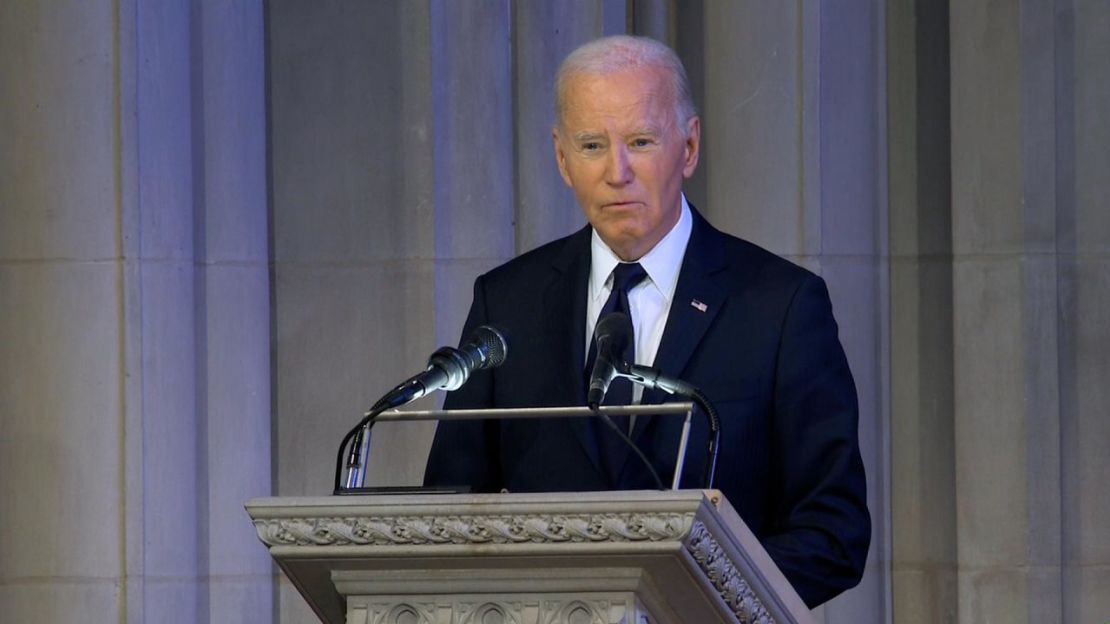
(658, 557)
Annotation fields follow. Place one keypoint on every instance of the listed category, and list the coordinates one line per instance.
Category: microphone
(613, 335)
(449, 368)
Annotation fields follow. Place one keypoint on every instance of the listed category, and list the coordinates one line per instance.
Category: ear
(693, 145)
(560, 155)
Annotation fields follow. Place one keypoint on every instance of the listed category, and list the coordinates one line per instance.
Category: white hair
(621, 53)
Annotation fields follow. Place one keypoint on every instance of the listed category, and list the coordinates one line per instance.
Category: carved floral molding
(460, 529)
(734, 590)
(531, 529)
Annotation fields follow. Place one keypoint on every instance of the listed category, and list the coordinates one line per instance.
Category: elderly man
(754, 332)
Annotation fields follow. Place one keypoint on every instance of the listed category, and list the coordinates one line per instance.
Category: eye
(642, 142)
(591, 146)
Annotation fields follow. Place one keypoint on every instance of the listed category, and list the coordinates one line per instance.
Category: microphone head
(486, 348)
(489, 345)
(613, 332)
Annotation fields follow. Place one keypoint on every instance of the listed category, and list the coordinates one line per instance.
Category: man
(754, 332)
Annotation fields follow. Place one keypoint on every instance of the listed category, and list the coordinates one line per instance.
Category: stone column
(134, 386)
(1083, 235)
(63, 433)
(1029, 242)
(922, 492)
(232, 289)
(1005, 301)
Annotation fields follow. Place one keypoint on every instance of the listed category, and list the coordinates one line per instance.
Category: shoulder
(528, 269)
(739, 263)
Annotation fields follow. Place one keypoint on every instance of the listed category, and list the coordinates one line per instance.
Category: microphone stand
(354, 458)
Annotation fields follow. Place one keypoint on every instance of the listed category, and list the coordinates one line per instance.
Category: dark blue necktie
(614, 450)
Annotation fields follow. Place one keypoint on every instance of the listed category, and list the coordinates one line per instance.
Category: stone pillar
(232, 288)
(1083, 235)
(760, 103)
(922, 492)
(63, 432)
(1029, 241)
(159, 317)
(1005, 344)
(130, 381)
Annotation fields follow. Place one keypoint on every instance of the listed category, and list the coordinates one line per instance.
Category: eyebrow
(589, 135)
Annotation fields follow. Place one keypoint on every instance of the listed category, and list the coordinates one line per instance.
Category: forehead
(617, 100)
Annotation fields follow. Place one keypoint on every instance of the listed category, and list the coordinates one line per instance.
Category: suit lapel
(698, 298)
(565, 306)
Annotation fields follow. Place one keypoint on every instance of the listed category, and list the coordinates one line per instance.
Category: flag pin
(701, 307)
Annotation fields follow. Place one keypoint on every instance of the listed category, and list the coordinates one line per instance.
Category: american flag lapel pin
(699, 306)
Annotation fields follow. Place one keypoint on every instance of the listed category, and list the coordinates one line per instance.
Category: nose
(618, 169)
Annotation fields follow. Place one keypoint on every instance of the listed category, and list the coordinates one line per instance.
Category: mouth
(620, 205)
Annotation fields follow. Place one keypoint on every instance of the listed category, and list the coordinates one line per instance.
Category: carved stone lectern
(600, 557)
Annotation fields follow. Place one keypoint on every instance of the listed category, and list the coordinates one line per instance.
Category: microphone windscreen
(614, 329)
(492, 344)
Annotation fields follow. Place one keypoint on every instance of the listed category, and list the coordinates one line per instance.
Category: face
(622, 151)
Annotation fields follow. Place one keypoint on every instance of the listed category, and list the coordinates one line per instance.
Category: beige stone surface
(924, 594)
(994, 594)
(78, 600)
(101, 412)
(234, 438)
(986, 131)
(544, 204)
(991, 482)
(751, 156)
(56, 170)
(60, 422)
(331, 378)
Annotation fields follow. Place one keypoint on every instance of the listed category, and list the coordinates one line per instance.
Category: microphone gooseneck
(654, 378)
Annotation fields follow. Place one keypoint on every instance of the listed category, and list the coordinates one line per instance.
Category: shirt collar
(662, 263)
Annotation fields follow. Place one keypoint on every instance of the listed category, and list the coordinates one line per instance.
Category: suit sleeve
(823, 528)
(464, 452)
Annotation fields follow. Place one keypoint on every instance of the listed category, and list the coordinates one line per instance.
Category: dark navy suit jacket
(763, 348)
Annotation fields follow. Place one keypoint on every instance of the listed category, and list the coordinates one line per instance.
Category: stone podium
(598, 557)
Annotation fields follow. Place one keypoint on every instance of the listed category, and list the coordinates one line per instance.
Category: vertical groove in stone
(923, 492)
(117, 183)
(807, 84)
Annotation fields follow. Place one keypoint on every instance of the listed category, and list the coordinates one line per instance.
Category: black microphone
(612, 335)
(449, 368)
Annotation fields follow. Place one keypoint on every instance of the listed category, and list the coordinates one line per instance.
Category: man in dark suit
(754, 332)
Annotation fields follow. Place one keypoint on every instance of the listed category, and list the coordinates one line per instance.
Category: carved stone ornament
(530, 610)
(717, 566)
(461, 529)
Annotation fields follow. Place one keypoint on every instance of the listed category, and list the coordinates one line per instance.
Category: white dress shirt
(650, 300)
